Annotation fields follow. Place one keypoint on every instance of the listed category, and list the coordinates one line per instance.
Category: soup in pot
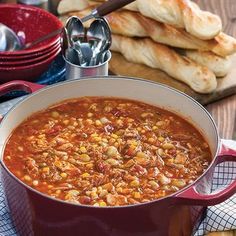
(105, 151)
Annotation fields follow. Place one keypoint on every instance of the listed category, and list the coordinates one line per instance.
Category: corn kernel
(154, 127)
(103, 193)
(97, 139)
(151, 140)
(119, 190)
(27, 178)
(89, 166)
(134, 183)
(63, 175)
(35, 182)
(168, 146)
(102, 204)
(55, 114)
(112, 151)
(66, 122)
(154, 185)
(58, 191)
(99, 189)
(161, 139)
(104, 120)
(46, 169)
(116, 144)
(85, 175)
(90, 114)
(94, 195)
(179, 183)
(160, 151)
(137, 195)
(84, 157)
(98, 122)
(114, 136)
(112, 162)
(83, 149)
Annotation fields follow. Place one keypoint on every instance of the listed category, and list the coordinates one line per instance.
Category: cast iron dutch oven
(34, 213)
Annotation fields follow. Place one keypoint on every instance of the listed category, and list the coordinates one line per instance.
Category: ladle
(9, 41)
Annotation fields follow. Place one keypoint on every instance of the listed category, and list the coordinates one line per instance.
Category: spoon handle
(39, 40)
(106, 8)
(111, 6)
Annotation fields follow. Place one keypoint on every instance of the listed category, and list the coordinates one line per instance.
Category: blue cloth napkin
(221, 217)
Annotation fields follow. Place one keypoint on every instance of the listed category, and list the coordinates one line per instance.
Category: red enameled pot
(34, 213)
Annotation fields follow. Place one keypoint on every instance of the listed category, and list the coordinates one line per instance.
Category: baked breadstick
(219, 65)
(133, 24)
(65, 6)
(155, 55)
(181, 14)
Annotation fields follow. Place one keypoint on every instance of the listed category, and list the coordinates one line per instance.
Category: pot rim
(171, 196)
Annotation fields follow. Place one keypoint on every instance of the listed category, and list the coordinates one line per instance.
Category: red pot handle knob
(193, 197)
(19, 85)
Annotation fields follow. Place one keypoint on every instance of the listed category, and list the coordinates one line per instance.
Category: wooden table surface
(224, 111)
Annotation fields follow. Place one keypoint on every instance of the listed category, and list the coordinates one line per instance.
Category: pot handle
(192, 196)
(19, 85)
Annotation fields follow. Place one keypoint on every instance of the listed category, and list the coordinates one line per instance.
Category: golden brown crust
(219, 65)
(155, 55)
(181, 14)
(65, 6)
(133, 24)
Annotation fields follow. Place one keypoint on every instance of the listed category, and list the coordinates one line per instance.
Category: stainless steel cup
(76, 72)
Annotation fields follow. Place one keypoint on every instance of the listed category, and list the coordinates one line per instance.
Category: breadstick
(181, 14)
(155, 55)
(219, 65)
(133, 24)
(65, 6)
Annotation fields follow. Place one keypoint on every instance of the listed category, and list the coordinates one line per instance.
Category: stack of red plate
(30, 23)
